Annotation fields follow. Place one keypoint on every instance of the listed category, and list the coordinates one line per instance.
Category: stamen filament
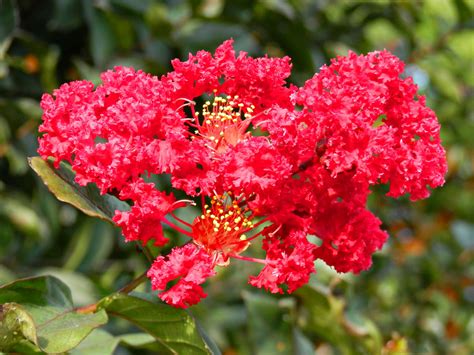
(177, 228)
(180, 220)
(247, 258)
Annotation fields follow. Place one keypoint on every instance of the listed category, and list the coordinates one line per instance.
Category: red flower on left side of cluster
(265, 159)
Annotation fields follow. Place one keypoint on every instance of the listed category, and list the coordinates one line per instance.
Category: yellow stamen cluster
(222, 119)
(222, 226)
(226, 218)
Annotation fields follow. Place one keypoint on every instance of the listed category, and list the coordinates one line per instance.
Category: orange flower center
(224, 122)
(220, 230)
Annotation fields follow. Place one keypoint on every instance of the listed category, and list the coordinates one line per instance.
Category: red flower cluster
(266, 159)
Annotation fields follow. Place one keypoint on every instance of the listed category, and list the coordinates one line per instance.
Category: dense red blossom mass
(267, 160)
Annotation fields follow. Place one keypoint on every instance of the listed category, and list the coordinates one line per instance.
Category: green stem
(146, 251)
(133, 284)
(148, 254)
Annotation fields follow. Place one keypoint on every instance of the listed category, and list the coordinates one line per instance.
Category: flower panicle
(266, 160)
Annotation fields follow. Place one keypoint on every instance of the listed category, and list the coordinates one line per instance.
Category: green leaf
(85, 291)
(99, 342)
(86, 198)
(41, 310)
(142, 341)
(15, 325)
(322, 314)
(137, 339)
(174, 329)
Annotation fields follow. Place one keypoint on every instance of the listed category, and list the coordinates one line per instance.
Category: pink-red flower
(265, 159)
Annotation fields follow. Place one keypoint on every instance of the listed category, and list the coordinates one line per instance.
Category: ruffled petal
(191, 265)
(289, 262)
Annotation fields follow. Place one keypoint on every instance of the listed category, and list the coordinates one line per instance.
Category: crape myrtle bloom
(355, 124)
(360, 124)
(224, 231)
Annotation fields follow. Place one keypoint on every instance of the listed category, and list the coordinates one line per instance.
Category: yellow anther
(243, 237)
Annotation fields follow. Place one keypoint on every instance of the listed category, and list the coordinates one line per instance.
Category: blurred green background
(419, 295)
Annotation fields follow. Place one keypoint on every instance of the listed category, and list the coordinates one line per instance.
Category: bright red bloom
(190, 263)
(143, 221)
(319, 148)
(290, 261)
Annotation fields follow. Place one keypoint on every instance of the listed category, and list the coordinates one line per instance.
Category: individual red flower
(266, 159)
(290, 261)
(190, 263)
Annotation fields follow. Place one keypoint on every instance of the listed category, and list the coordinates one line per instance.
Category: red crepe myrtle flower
(308, 171)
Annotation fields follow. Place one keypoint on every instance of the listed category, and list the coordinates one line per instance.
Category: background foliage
(419, 295)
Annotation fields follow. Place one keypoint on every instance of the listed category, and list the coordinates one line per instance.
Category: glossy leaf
(40, 310)
(99, 342)
(174, 329)
(86, 198)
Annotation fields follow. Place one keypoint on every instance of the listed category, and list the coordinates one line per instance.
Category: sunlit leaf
(99, 342)
(88, 199)
(41, 310)
(174, 329)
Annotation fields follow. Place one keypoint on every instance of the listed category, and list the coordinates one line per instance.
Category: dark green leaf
(88, 199)
(174, 329)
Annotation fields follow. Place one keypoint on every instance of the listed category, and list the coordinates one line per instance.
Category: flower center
(224, 122)
(221, 229)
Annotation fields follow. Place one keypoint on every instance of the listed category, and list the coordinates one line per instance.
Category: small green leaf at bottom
(174, 329)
